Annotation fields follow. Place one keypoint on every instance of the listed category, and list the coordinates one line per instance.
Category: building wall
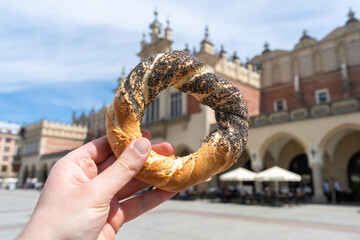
(251, 96)
(326, 133)
(8, 135)
(45, 138)
(318, 64)
(331, 81)
(54, 144)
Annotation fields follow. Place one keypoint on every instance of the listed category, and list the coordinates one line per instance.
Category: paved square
(205, 220)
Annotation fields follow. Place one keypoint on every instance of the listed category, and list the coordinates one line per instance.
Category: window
(5, 158)
(31, 147)
(280, 105)
(3, 168)
(7, 140)
(322, 96)
(6, 149)
(176, 104)
(152, 111)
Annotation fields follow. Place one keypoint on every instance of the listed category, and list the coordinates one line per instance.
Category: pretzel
(218, 151)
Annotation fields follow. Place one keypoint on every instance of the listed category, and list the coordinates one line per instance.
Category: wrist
(38, 228)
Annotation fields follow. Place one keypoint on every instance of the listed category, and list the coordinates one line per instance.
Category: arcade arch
(341, 148)
(44, 173)
(26, 174)
(353, 172)
(275, 143)
(33, 172)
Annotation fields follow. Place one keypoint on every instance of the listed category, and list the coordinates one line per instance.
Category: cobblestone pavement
(205, 220)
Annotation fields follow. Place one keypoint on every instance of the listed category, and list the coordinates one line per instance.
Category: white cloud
(82, 40)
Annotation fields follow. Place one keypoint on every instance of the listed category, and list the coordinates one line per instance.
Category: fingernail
(142, 145)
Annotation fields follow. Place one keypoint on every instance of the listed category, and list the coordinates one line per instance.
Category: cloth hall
(304, 105)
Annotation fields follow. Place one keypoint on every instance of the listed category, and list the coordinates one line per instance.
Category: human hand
(80, 199)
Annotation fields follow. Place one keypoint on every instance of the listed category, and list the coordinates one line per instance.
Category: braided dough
(186, 73)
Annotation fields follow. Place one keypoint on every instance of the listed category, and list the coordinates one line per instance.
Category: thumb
(130, 162)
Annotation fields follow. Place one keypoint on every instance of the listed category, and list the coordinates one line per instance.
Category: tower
(158, 43)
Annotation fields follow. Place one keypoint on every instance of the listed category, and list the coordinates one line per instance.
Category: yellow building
(42, 143)
(304, 104)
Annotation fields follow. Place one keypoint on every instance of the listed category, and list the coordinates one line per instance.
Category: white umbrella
(277, 174)
(11, 180)
(239, 174)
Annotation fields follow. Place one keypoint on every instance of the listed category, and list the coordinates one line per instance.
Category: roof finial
(143, 41)
(351, 16)
(222, 51)
(266, 47)
(207, 33)
(168, 22)
(235, 58)
(305, 35)
(123, 71)
(187, 47)
(155, 26)
(156, 12)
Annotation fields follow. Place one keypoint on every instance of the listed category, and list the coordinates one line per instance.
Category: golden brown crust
(179, 69)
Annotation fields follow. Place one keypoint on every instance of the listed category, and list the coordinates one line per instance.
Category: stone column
(257, 165)
(316, 164)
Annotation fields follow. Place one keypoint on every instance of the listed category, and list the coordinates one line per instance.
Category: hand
(80, 199)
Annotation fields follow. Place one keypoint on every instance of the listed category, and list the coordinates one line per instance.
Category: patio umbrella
(277, 174)
(240, 174)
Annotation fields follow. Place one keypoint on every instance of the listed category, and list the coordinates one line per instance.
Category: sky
(60, 57)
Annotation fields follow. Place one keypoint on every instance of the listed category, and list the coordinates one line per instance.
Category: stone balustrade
(314, 111)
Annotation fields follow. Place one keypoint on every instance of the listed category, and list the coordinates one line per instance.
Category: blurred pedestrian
(338, 191)
(327, 191)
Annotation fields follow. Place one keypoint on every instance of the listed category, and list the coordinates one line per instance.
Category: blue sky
(57, 57)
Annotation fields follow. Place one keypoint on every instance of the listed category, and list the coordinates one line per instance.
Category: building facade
(310, 114)
(43, 143)
(304, 106)
(8, 135)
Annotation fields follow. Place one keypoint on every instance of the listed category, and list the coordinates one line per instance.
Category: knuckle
(125, 165)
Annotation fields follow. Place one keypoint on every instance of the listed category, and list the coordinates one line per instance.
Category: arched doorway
(300, 165)
(44, 173)
(33, 172)
(25, 175)
(353, 172)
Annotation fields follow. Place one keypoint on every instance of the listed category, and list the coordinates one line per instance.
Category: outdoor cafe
(274, 186)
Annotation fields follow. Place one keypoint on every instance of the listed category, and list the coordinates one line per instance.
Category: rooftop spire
(156, 13)
(235, 58)
(305, 35)
(207, 34)
(143, 41)
(222, 51)
(155, 26)
(266, 47)
(187, 47)
(168, 29)
(168, 23)
(206, 45)
(351, 16)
